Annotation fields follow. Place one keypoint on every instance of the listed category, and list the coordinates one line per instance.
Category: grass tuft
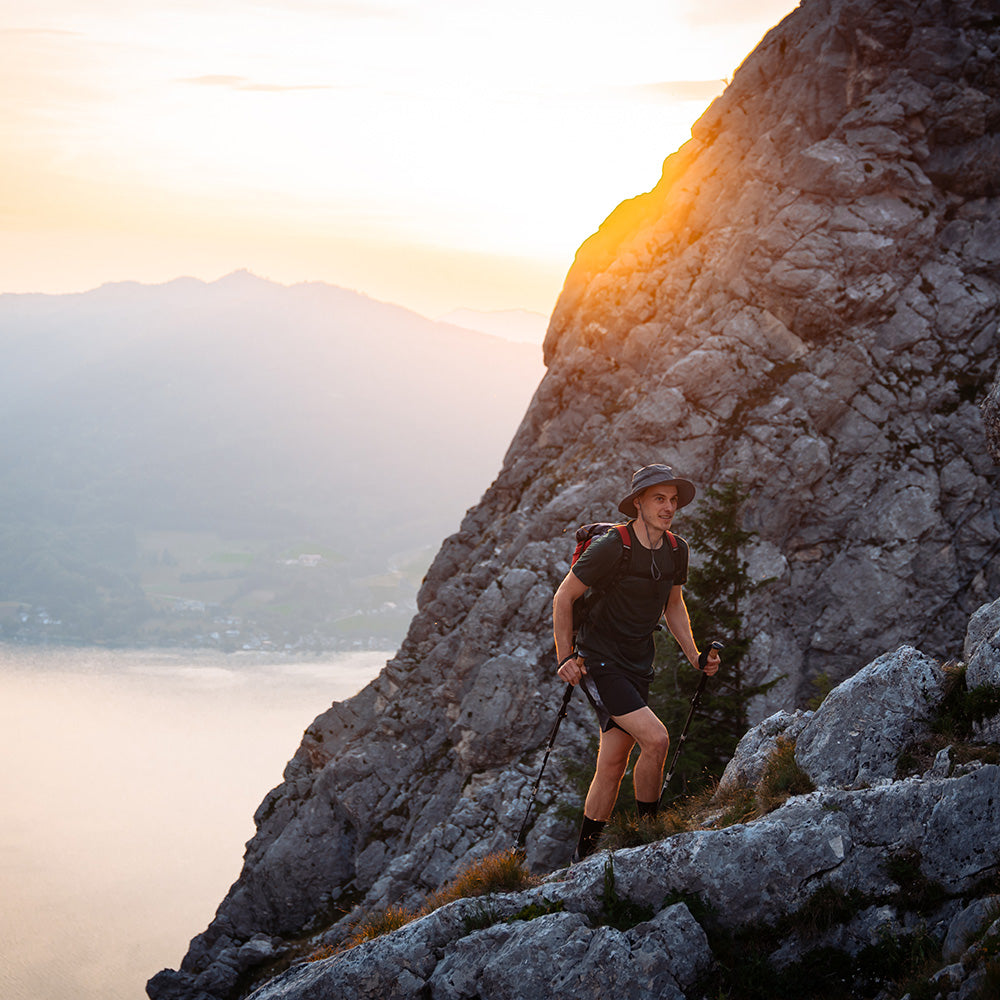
(738, 805)
(916, 891)
(826, 908)
(954, 726)
(625, 829)
(961, 710)
(501, 872)
(385, 922)
(483, 916)
(782, 778)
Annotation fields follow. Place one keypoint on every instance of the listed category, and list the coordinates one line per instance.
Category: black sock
(590, 832)
(647, 810)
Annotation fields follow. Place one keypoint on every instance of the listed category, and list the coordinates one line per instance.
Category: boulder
(857, 734)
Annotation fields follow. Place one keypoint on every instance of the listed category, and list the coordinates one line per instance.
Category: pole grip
(703, 658)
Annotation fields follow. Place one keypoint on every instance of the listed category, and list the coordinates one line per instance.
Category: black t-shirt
(621, 624)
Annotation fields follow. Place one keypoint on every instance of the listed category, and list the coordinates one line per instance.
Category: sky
(439, 154)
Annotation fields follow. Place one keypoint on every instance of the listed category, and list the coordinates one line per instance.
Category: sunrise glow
(434, 153)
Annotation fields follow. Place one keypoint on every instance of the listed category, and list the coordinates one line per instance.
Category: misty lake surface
(127, 793)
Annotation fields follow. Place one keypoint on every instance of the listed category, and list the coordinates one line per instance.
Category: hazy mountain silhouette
(512, 324)
(244, 409)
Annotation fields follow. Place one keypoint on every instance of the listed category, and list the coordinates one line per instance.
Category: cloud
(243, 83)
(362, 9)
(58, 32)
(711, 13)
(682, 90)
(344, 9)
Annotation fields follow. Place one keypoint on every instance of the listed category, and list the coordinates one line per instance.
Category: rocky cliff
(869, 882)
(808, 300)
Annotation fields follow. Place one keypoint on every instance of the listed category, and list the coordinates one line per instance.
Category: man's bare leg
(641, 727)
(612, 759)
(654, 744)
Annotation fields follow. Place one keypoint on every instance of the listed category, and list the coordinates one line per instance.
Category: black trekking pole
(695, 701)
(523, 833)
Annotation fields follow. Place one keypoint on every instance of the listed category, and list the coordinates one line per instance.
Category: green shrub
(823, 684)
(916, 891)
(534, 910)
(961, 710)
(617, 912)
(782, 778)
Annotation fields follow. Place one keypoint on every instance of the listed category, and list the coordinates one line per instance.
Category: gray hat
(654, 475)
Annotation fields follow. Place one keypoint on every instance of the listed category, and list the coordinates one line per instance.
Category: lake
(127, 793)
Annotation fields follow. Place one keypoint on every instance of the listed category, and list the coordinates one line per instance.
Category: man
(613, 658)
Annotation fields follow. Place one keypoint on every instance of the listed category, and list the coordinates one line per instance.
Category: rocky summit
(808, 302)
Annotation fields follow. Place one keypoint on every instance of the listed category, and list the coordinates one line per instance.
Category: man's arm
(570, 591)
(676, 616)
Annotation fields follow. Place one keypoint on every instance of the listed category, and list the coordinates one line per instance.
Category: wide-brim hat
(656, 475)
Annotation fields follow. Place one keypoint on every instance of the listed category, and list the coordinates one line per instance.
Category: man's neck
(649, 538)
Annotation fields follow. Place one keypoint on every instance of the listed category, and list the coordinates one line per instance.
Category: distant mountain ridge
(244, 408)
(511, 324)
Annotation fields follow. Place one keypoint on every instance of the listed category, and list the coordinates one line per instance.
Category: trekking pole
(702, 660)
(523, 833)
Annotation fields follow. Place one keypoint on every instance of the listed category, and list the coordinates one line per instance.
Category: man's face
(657, 506)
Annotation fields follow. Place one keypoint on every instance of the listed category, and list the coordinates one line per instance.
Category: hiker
(613, 657)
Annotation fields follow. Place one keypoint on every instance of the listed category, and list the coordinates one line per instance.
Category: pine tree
(715, 593)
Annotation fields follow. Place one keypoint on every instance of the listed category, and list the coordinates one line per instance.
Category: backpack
(585, 534)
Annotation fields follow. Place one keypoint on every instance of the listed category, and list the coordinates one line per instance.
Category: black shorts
(613, 691)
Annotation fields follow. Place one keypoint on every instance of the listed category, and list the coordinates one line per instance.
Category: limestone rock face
(807, 300)
(891, 858)
(833, 840)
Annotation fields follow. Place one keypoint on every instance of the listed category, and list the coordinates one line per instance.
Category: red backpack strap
(626, 540)
(672, 540)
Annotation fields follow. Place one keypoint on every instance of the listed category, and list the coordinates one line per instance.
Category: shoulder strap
(626, 540)
(621, 567)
